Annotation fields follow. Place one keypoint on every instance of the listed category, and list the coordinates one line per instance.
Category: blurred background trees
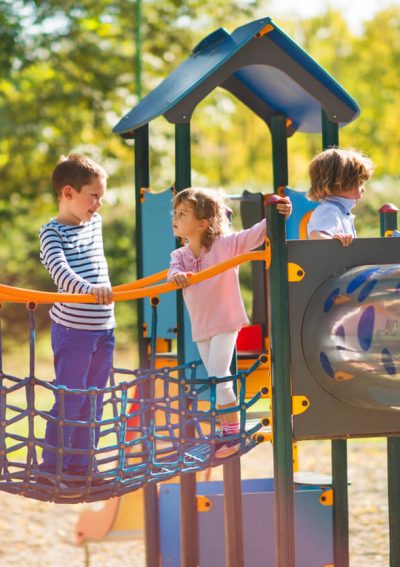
(67, 74)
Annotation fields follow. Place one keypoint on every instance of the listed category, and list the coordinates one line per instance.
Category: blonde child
(337, 182)
(215, 305)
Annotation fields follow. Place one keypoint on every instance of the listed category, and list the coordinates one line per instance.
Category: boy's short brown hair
(75, 170)
(336, 170)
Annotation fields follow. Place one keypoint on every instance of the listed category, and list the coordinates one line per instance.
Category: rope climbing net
(156, 422)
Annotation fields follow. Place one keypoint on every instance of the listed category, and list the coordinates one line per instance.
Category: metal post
(233, 509)
(340, 503)
(330, 137)
(182, 181)
(138, 48)
(142, 180)
(388, 221)
(188, 506)
(234, 549)
(280, 349)
(150, 494)
(393, 464)
(388, 218)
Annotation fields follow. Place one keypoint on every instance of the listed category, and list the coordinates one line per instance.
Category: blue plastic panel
(298, 86)
(301, 206)
(313, 525)
(158, 243)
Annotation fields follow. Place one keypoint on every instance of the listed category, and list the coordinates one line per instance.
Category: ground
(41, 534)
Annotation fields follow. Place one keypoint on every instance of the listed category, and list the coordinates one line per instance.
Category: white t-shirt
(333, 216)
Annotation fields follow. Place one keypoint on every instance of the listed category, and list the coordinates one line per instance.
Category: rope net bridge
(156, 422)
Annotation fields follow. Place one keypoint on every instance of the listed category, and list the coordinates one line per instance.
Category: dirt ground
(41, 534)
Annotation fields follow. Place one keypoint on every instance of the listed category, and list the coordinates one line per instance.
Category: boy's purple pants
(82, 359)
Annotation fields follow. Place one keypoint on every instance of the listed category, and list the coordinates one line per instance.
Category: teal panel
(158, 243)
(313, 525)
(301, 206)
(192, 352)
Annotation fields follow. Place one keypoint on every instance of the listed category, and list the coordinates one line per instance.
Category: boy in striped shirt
(82, 334)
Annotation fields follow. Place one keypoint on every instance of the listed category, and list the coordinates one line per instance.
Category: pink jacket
(215, 305)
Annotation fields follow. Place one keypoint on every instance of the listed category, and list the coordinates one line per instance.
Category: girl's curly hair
(336, 170)
(208, 204)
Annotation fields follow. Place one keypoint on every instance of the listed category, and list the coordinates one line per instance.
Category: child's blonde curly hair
(336, 170)
(207, 204)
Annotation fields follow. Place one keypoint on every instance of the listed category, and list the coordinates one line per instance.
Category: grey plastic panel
(328, 416)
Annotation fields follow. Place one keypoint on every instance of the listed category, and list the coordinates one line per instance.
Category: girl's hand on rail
(182, 278)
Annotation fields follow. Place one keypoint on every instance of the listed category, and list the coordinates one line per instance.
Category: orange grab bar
(129, 291)
(148, 280)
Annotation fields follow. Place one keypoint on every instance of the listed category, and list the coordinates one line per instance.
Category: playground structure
(267, 72)
(312, 383)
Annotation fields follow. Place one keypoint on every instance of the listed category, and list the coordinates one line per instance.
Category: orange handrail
(129, 291)
(142, 282)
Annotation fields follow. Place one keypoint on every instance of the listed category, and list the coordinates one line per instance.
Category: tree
(72, 78)
(67, 76)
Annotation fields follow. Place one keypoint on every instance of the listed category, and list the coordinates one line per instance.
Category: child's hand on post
(345, 239)
(284, 206)
(182, 278)
(103, 294)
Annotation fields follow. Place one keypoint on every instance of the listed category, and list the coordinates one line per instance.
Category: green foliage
(67, 74)
(9, 31)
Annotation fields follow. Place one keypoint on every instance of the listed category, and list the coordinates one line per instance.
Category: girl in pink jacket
(215, 305)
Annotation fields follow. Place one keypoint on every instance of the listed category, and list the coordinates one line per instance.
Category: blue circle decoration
(330, 300)
(360, 279)
(326, 365)
(367, 290)
(398, 288)
(387, 361)
(365, 328)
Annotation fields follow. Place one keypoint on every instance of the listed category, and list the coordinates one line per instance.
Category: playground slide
(114, 520)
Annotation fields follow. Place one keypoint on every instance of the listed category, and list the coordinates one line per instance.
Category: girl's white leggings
(216, 354)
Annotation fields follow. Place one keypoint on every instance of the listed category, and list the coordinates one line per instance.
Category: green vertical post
(182, 181)
(233, 514)
(280, 350)
(189, 527)
(233, 506)
(142, 179)
(138, 48)
(330, 137)
(388, 221)
(330, 133)
(388, 218)
(340, 503)
(393, 465)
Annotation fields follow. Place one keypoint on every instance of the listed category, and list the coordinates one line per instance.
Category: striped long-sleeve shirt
(74, 257)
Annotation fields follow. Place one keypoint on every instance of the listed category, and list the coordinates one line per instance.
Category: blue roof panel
(260, 65)
(203, 61)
